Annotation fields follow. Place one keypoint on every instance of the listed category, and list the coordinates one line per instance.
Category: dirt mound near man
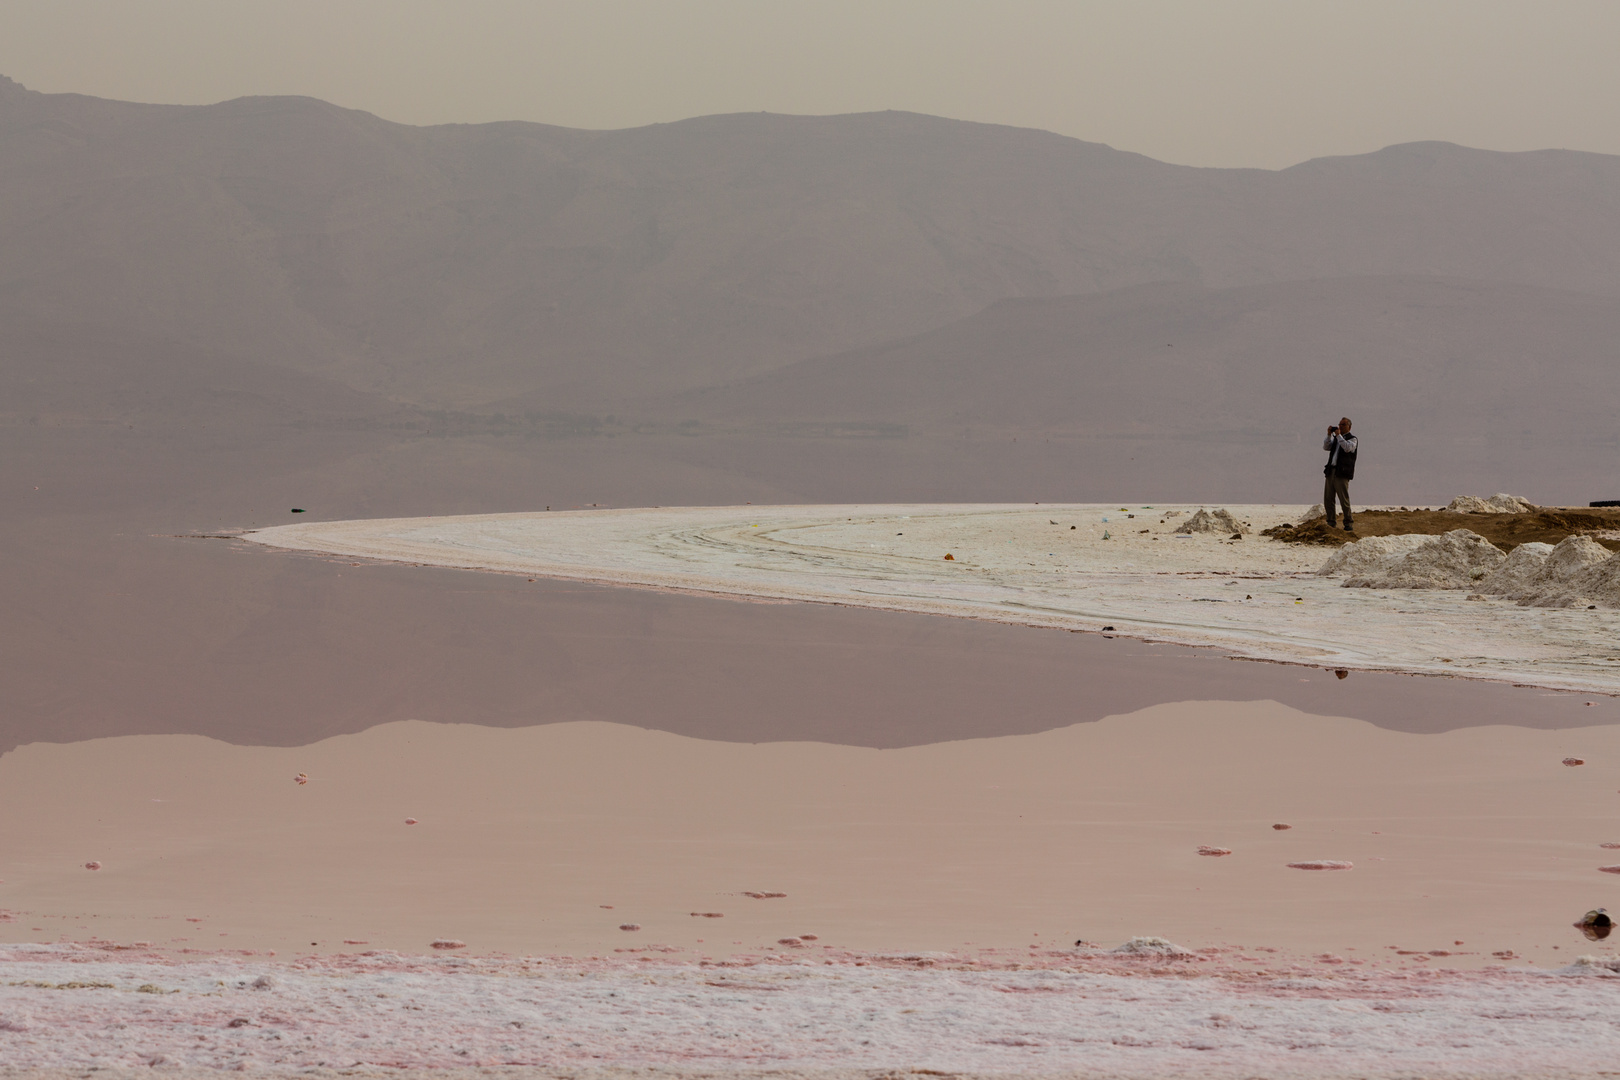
(1548, 525)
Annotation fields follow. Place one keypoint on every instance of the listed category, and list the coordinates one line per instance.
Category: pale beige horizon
(1246, 83)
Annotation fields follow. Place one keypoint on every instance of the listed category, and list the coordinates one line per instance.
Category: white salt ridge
(1574, 573)
(383, 1013)
(1522, 571)
(1156, 946)
(1456, 560)
(1577, 572)
(1370, 556)
(1500, 503)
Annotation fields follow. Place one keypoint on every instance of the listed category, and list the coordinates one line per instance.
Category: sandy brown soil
(1506, 531)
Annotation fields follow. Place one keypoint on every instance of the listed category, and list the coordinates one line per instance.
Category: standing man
(1339, 471)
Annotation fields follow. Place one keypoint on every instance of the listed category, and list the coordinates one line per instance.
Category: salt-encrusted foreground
(818, 1012)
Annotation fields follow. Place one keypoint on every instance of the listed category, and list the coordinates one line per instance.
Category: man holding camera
(1339, 471)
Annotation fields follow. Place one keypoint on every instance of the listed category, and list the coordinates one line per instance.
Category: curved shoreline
(1072, 567)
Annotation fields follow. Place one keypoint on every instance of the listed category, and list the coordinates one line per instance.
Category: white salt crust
(1075, 567)
(67, 1009)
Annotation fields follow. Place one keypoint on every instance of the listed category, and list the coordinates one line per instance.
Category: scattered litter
(1596, 924)
(1108, 628)
(354, 941)
(301, 779)
(1609, 846)
(708, 914)
(92, 865)
(1281, 826)
(629, 926)
(1342, 673)
(1324, 864)
(1610, 869)
(446, 943)
(1205, 849)
(809, 937)
(793, 942)
(949, 557)
(410, 821)
(296, 510)
(263, 982)
(1573, 761)
(766, 895)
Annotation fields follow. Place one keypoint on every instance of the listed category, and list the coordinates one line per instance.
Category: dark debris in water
(1596, 924)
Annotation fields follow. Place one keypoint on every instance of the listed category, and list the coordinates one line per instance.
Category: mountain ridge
(461, 265)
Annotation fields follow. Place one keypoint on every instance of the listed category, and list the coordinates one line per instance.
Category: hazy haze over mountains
(550, 269)
(212, 314)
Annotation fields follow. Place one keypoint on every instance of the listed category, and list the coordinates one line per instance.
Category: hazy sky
(1248, 82)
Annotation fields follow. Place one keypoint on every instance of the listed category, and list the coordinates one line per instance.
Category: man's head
(1344, 425)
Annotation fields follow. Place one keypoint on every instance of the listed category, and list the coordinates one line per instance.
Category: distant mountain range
(791, 268)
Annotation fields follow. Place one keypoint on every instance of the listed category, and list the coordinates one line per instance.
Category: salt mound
(1151, 946)
(1567, 575)
(1216, 521)
(1456, 560)
(1588, 575)
(1523, 570)
(1591, 965)
(1313, 513)
(1371, 555)
(1500, 503)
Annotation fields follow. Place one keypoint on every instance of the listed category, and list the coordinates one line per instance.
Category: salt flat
(832, 1015)
(1078, 567)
